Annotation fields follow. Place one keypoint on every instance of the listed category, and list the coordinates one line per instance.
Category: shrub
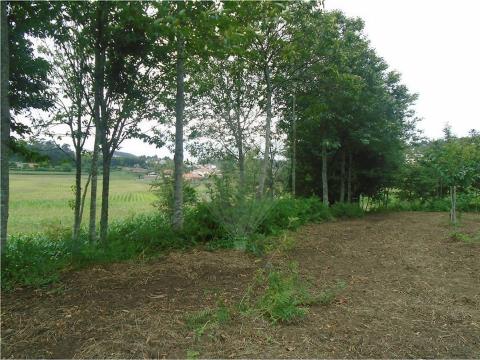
(163, 188)
(289, 213)
(33, 260)
(346, 210)
(238, 212)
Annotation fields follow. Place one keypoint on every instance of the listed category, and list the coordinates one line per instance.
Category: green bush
(33, 260)
(226, 222)
(346, 210)
(289, 213)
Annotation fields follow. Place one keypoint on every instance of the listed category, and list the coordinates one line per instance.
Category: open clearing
(41, 200)
(411, 291)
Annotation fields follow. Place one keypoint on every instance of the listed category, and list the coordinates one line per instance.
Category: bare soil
(412, 292)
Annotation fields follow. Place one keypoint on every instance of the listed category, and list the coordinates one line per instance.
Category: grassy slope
(40, 200)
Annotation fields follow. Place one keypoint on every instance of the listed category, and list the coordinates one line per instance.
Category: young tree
(71, 70)
(183, 33)
(231, 112)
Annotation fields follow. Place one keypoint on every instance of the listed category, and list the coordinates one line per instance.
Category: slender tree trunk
(264, 169)
(98, 93)
(177, 220)
(92, 227)
(78, 193)
(5, 127)
(84, 196)
(294, 147)
(241, 164)
(349, 177)
(453, 209)
(239, 141)
(342, 176)
(105, 195)
(324, 174)
(99, 115)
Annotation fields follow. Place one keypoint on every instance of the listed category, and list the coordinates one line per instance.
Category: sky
(434, 44)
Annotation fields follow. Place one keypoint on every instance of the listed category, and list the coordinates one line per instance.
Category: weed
(207, 319)
(465, 238)
(192, 354)
(280, 296)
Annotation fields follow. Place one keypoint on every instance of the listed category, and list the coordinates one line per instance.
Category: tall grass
(39, 258)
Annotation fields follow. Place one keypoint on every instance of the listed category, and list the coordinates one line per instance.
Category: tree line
(220, 79)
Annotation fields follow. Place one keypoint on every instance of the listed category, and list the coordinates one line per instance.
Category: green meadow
(39, 201)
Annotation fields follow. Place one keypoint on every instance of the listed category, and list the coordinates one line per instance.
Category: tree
(24, 80)
(5, 126)
(71, 71)
(231, 112)
(184, 33)
(360, 112)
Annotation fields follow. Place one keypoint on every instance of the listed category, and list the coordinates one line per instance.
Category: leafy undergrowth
(466, 238)
(39, 259)
(281, 296)
(277, 295)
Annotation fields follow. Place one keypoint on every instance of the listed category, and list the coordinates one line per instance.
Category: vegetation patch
(281, 296)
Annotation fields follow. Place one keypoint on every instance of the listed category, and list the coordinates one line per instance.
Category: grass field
(41, 200)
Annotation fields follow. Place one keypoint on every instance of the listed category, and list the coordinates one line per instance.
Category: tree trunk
(78, 194)
(177, 220)
(92, 232)
(82, 205)
(453, 209)
(105, 194)
(5, 128)
(349, 178)
(264, 169)
(324, 174)
(239, 141)
(98, 93)
(241, 164)
(342, 176)
(294, 147)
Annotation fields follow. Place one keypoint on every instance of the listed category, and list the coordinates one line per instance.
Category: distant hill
(124, 154)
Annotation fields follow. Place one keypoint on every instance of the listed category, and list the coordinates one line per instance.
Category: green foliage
(163, 189)
(466, 238)
(290, 213)
(280, 296)
(33, 260)
(346, 210)
(207, 319)
(238, 212)
(37, 259)
(468, 201)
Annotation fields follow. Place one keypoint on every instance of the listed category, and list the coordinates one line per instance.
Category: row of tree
(230, 77)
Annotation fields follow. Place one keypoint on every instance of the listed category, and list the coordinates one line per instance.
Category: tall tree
(5, 126)
(24, 80)
(184, 33)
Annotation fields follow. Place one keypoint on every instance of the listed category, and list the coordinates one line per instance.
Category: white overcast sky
(434, 44)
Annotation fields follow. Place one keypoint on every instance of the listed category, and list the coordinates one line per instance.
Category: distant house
(192, 176)
(135, 170)
(167, 172)
(202, 172)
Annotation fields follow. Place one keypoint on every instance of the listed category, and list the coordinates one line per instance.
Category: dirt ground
(412, 292)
